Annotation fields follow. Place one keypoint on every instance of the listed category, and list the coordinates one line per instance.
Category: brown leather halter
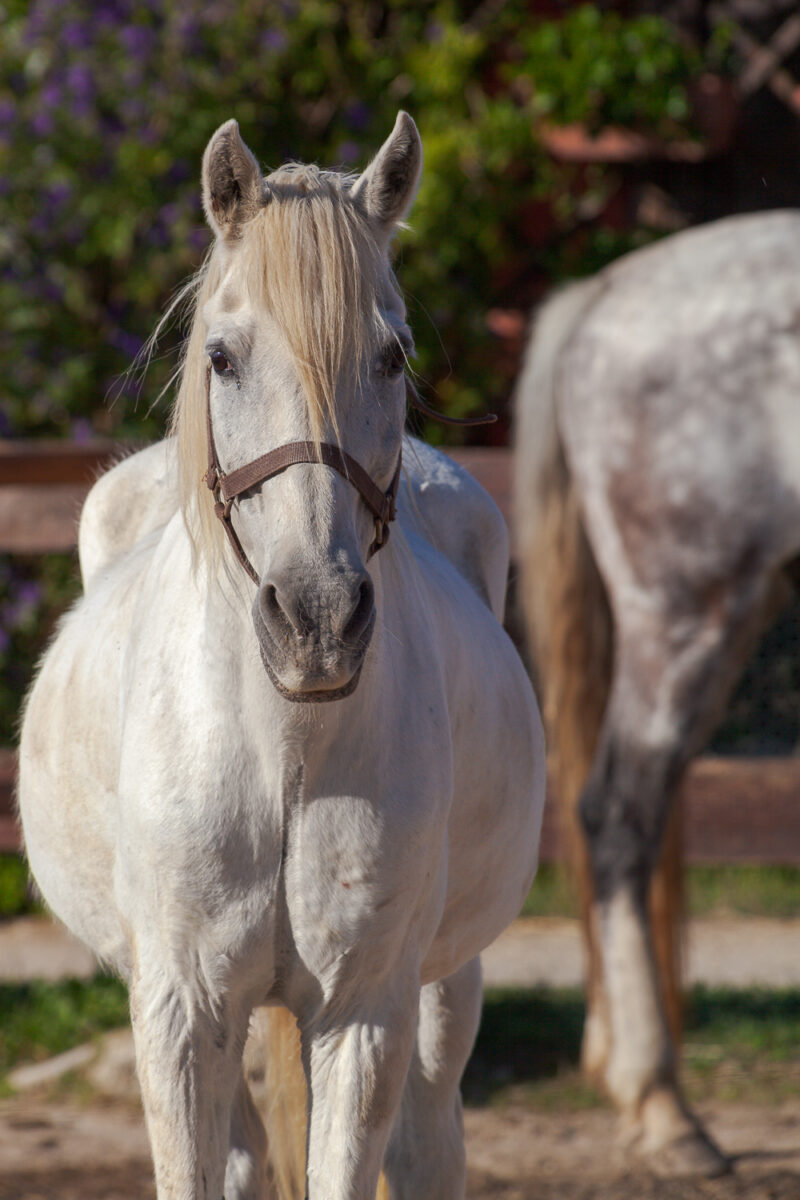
(227, 487)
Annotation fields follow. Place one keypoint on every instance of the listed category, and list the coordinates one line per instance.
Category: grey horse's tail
(570, 628)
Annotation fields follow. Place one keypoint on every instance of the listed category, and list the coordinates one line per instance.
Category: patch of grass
(743, 1044)
(743, 891)
(739, 1045)
(39, 1019)
(710, 891)
(16, 894)
(527, 1038)
(553, 893)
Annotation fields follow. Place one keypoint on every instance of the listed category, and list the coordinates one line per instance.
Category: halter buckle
(213, 478)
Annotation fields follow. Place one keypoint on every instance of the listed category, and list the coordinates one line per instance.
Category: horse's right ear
(233, 186)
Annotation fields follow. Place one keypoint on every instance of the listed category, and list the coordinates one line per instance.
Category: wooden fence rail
(737, 810)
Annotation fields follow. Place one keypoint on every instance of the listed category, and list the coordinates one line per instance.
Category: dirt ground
(70, 1149)
(82, 1138)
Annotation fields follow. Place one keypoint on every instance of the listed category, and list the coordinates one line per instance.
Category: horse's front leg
(426, 1158)
(357, 1057)
(189, 1044)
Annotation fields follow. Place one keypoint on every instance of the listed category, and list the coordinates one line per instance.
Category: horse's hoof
(693, 1154)
(670, 1140)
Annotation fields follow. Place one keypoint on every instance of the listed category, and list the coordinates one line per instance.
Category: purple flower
(110, 12)
(8, 111)
(75, 35)
(24, 604)
(178, 173)
(137, 40)
(5, 640)
(29, 593)
(40, 225)
(168, 214)
(42, 124)
(80, 82)
(348, 152)
(357, 115)
(51, 95)
(188, 27)
(52, 291)
(128, 343)
(58, 194)
(81, 430)
(274, 40)
(132, 111)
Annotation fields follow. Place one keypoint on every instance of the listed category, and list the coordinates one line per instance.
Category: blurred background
(557, 136)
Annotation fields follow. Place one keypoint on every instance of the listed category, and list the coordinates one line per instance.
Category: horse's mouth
(314, 694)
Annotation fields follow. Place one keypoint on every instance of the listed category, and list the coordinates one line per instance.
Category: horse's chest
(360, 878)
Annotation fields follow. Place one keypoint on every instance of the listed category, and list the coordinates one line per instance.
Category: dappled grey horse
(658, 511)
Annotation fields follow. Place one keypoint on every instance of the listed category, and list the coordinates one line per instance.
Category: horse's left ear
(387, 187)
(233, 187)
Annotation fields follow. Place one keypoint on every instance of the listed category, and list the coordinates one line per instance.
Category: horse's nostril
(362, 611)
(317, 612)
(275, 615)
(269, 599)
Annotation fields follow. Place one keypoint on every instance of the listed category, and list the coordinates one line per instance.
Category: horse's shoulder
(447, 506)
(136, 496)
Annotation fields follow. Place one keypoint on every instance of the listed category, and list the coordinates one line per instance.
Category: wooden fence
(737, 810)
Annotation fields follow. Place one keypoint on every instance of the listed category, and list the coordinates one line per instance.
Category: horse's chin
(305, 680)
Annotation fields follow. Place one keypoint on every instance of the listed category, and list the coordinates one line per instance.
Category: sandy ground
(88, 1142)
(98, 1151)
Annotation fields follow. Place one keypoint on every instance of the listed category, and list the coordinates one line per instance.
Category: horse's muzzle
(313, 640)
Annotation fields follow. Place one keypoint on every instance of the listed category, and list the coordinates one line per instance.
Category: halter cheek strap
(227, 487)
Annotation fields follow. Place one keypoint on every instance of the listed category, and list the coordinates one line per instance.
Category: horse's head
(304, 341)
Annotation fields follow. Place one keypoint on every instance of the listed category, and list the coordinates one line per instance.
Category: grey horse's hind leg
(671, 676)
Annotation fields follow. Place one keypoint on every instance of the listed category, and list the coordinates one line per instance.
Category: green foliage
(15, 895)
(601, 68)
(33, 594)
(39, 1019)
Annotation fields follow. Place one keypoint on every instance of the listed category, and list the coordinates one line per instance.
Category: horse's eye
(393, 359)
(221, 363)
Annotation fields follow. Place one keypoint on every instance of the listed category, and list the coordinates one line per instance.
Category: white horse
(195, 812)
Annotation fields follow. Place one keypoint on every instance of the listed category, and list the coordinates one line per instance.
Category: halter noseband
(227, 487)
